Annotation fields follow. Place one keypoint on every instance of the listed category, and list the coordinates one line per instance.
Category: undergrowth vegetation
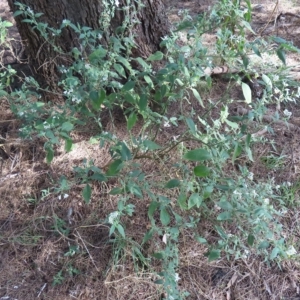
(203, 167)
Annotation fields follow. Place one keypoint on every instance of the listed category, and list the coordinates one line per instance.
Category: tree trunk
(152, 25)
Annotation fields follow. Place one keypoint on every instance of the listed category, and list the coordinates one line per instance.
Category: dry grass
(33, 250)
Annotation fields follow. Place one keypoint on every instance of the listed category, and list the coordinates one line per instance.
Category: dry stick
(269, 21)
(87, 251)
(269, 119)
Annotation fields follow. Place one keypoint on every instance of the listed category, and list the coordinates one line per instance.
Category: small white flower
(254, 193)
(267, 201)
(29, 10)
(291, 251)
(250, 175)
(66, 196)
(117, 3)
(113, 216)
(288, 183)
(167, 124)
(277, 187)
(287, 113)
(177, 278)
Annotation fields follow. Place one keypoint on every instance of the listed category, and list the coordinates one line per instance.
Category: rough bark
(152, 26)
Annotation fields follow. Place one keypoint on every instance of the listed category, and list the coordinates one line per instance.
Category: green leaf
(97, 98)
(131, 120)
(237, 152)
(201, 171)
(158, 255)
(268, 82)
(182, 201)
(129, 98)
(275, 253)
(149, 81)
(281, 54)
(148, 236)
(97, 55)
(247, 92)
(155, 56)
(68, 145)
(250, 239)
(143, 102)
(200, 239)
(194, 200)
(164, 216)
(86, 193)
(49, 154)
(197, 96)
(124, 61)
(256, 51)
(67, 126)
(225, 215)
(116, 191)
(197, 155)
(232, 124)
(142, 63)
(152, 208)
(99, 177)
(248, 140)
(151, 145)
(224, 204)
(125, 152)
(17, 13)
(120, 70)
(191, 125)
(114, 167)
(245, 61)
(263, 245)
(129, 85)
(172, 183)
(121, 230)
(214, 254)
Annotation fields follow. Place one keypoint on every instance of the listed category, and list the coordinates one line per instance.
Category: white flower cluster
(287, 113)
(29, 10)
(113, 216)
(65, 196)
(46, 125)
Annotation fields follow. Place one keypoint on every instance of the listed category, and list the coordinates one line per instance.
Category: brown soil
(34, 254)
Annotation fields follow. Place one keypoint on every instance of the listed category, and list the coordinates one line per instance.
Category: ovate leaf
(213, 254)
(128, 86)
(152, 208)
(114, 167)
(195, 200)
(131, 120)
(164, 216)
(121, 230)
(197, 96)
(86, 193)
(281, 55)
(151, 145)
(156, 56)
(250, 239)
(247, 92)
(225, 215)
(197, 155)
(201, 171)
(172, 183)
